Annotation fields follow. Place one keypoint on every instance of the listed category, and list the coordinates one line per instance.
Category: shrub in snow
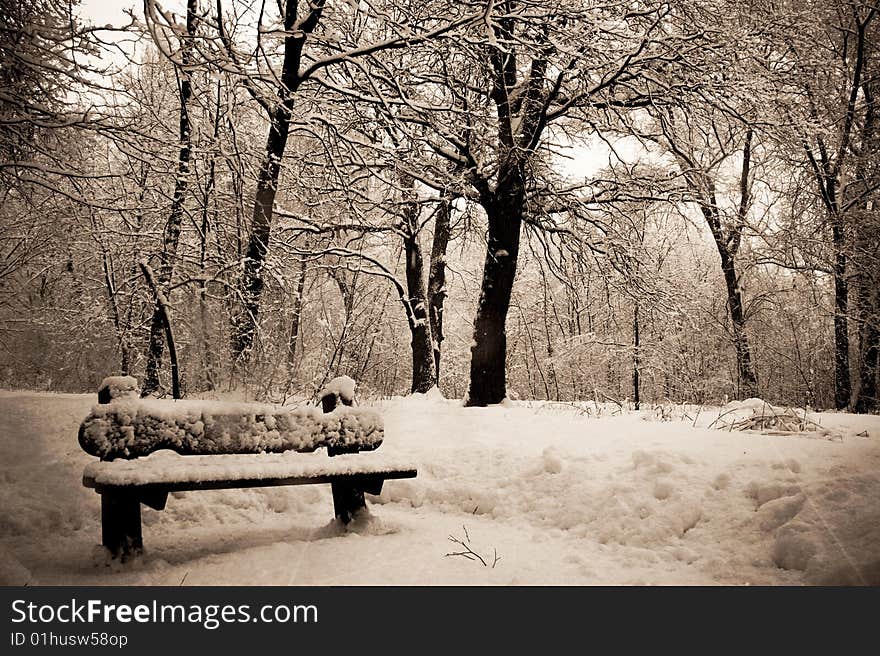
(130, 428)
(759, 416)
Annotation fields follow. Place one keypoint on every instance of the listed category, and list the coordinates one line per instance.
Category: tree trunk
(171, 237)
(437, 278)
(866, 250)
(121, 335)
(867, 285)
(296, 319)
(110, 284)
(489, 348)
(748, 380)
(868, 401)
(547, 304)
(636, 357)
(702, 184)
(208, 362)
(521, 121)
(133, 270)
(245, 323)
(423, 376)
(416, 301)
(164, 314)
(842, 388)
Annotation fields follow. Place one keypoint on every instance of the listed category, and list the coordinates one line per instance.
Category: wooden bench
(149, 448)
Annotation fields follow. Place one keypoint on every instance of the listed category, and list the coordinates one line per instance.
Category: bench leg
(121, 524)
(348, 499)
(373, 485)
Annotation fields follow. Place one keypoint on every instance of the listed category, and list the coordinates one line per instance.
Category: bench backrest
(129, 427)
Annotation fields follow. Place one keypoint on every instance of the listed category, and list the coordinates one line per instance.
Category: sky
(101, 12)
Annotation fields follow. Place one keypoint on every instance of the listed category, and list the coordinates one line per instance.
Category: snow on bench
(117, 387)
(169, 469)
(150, 447)
(130, 427)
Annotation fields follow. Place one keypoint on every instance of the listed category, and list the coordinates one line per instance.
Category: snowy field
(543, 493)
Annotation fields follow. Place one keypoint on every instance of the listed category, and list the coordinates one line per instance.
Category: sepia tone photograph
(439, 292)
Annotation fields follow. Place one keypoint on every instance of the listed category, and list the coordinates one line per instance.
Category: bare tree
(700, 149)
(171, 237)
(832, 91)
(484, 105)
(301, 66)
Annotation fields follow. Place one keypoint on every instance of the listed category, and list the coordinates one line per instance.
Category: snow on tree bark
(423, 371)
(171, 236)
(252, 283)
(489, 351)
(437, 278)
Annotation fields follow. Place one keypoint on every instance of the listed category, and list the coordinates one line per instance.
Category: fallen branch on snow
(468, 551)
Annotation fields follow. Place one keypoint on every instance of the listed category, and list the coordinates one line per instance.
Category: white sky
(101, 12)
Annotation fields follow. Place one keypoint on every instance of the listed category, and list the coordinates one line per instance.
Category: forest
(630, 201)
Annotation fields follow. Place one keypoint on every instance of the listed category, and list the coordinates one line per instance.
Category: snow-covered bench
(150, 447)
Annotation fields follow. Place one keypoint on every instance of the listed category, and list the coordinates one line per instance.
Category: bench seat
(172, 472)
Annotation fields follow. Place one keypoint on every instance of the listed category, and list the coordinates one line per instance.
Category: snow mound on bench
(341, 386)
(130, 428)
(117, 387)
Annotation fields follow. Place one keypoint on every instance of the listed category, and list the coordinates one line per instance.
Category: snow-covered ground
(544, 492)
